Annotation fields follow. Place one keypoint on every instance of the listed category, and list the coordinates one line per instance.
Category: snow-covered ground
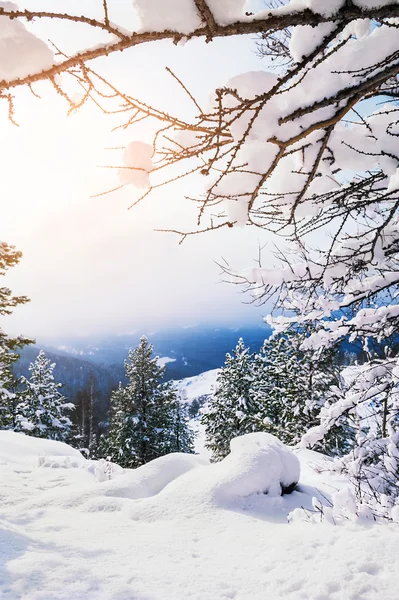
(199, 385)
(179, 528)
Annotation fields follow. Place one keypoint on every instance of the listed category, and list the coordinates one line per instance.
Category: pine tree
(143, 414)
(232, 410)
(9, 257)
(42, 411)
(292, 385)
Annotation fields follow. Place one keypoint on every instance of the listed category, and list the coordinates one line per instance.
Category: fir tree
(42, 411)
(232, 410)
(9, 257)
(143, 414)
(292, 385)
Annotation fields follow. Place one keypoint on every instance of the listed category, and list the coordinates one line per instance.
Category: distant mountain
(185, 351)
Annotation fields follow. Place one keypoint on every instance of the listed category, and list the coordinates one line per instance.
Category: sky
(90, 265)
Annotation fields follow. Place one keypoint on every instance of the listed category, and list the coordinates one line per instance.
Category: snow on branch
(201, 23)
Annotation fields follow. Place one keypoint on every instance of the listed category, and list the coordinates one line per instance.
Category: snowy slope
(177, 528)
(200, 385)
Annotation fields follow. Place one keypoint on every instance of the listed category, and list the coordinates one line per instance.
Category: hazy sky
(89, 264)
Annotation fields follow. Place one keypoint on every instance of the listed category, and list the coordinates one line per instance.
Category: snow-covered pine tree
(9, 257)
(42, 411)
(143, 414)
(116, 446)
(292, 385)
(232, 410)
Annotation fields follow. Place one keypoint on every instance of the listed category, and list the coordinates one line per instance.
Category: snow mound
(184, 484)
(97, 494)
(258, 464)
(153, 477)
(21, 448)
(259, 468)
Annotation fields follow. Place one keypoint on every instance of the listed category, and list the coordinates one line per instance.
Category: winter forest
(234, 482)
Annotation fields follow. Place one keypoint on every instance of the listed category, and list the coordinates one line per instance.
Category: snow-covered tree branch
(181, 20)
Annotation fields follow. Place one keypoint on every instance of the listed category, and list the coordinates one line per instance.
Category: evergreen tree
(42, 411)
(143, 414)
(292, 385)
(232, 410)
(9, 257)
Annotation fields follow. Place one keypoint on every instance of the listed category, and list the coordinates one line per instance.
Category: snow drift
(152, 532)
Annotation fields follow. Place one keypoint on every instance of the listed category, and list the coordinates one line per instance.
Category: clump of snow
(175, 15)
(321, 6)
(137, 161)
(183, 16)
(248, 85)
(227, 11)
(21, 52)
(304, 39)
(360, 28)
